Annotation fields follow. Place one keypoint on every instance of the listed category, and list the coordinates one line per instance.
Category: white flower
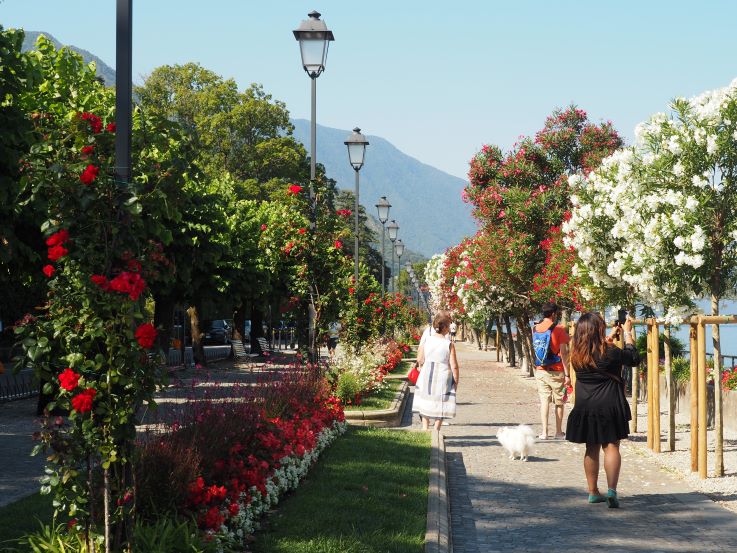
(711, 144)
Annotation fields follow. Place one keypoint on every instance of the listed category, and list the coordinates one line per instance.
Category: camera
(621, 316)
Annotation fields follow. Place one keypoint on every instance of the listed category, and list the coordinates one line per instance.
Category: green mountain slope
(426, 202)
(104, 71)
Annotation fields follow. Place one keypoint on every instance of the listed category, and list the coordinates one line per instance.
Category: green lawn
(21, 517)
(367, 494)
(378, 400)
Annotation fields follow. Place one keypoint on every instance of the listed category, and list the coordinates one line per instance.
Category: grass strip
(22, 517)
(380, 399)
(367, 494)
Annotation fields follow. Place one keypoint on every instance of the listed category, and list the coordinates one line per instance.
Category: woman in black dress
(601, 414)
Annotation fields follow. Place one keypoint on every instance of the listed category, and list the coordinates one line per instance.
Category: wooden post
(701, 346)
(572, 397)
(635, 390)
(650, 383)
(694, 383)
(656, 386)
(671, 390)
(718, 415)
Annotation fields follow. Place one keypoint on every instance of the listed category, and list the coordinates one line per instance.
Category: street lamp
(314, 39)
(393, 229)
(383, 208)
(356, 143)
(399, 250)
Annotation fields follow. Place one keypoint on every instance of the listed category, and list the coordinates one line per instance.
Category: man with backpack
(550, 345)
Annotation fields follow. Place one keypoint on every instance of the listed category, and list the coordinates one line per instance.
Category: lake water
(728, 333)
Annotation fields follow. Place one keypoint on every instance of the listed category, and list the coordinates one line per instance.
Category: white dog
(518, 441)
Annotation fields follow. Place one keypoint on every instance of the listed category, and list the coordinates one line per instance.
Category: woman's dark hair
(441, 322)
(589, 341)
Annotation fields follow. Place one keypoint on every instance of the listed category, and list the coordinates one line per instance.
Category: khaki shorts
(551, 385)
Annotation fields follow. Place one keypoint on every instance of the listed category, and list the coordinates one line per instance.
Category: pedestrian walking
(435, 391)
(453, 329)
(600, 417)
(550, 344)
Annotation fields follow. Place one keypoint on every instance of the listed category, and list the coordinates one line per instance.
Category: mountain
(104, 71)
(426, 202)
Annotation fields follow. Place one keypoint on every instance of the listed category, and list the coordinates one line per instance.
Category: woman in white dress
(435, 391)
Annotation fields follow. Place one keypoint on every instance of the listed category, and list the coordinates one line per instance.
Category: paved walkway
(502, 505)
(20, 473)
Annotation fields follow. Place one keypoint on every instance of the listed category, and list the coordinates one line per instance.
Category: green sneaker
(612, 499)
(596, 498)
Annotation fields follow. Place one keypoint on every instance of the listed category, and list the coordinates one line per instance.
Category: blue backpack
(541, 345)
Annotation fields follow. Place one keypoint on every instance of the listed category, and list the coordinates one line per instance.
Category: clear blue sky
(438, 79)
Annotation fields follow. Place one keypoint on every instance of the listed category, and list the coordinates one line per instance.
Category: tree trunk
(525, 334)
(511, 347)
(106, 508)
(671, 390)
(164, 320)
(257, 330)
(198, 350)
(718, 416)
(239, 321)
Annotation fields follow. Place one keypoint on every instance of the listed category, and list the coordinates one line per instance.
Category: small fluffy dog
(518, 440)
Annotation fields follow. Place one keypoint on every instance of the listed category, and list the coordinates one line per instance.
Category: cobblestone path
(498, 504)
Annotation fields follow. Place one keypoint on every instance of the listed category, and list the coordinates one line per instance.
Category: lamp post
(393, 229)
(314, 39)
(399, 250)
(123, 89)
(356, 143)
(383, 208)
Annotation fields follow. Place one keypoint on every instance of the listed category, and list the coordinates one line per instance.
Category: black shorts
(332, 342)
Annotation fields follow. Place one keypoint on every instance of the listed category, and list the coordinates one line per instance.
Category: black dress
(601, 413)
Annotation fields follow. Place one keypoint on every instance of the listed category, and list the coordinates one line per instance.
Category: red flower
(110, 127)
(94, 121)
(68, 379)
(351, 290)
(302, 231)
(101, 281)
(89, 175)
(87, 150)
(134, 265)
(82, 403)
(263, 228)
(338, 244)
(58, 238)
(49, 270)
(294, 189)
(233, 509)
(146, 335)
(128, 283)
(57, 252)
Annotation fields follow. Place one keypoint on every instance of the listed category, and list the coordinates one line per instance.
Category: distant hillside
(104, 71)
(426, 202)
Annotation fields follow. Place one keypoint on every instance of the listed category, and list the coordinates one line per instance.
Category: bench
(239, 352)
(264, 345)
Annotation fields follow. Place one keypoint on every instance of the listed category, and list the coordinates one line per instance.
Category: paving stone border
(438, 538)
(382, 418)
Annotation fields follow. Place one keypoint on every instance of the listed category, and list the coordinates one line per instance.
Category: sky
(437, 79)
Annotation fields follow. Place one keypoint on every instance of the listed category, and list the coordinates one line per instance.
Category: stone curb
(437, 537)
(381, 417)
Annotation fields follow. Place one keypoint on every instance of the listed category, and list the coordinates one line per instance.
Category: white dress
(435, 395)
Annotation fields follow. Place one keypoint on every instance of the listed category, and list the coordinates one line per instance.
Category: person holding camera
(600, 417)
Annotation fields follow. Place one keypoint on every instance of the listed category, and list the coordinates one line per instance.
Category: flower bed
(355, 375)
(228, 459)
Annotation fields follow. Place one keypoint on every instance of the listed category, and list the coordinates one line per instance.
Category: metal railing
(17, 386)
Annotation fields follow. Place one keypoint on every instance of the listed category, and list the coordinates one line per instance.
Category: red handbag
(413, 375)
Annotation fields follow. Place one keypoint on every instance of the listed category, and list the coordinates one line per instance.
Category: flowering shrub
(729, 379)
(367, 320)
(356, 374)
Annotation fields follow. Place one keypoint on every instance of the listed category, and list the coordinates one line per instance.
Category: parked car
(217, 331)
